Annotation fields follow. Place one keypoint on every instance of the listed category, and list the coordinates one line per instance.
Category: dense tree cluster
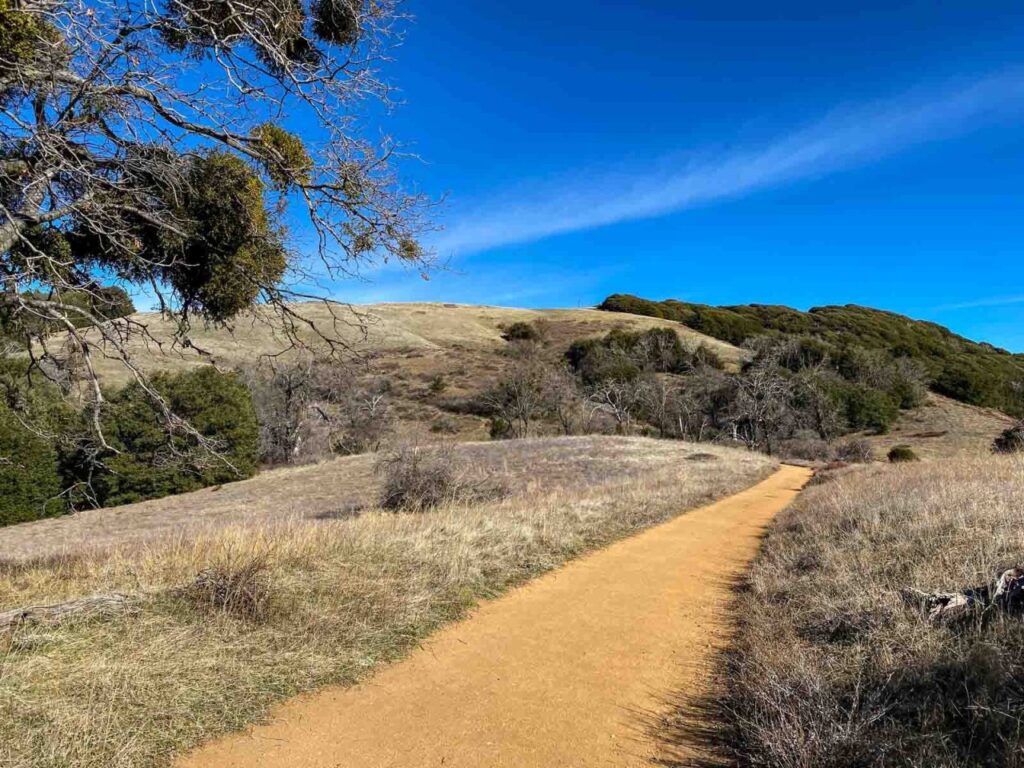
(51, 461)
(971, 372)
(791, 395)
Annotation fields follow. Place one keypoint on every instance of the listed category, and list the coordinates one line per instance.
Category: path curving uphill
(567, 670)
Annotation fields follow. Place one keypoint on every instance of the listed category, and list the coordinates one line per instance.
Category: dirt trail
(562, 672)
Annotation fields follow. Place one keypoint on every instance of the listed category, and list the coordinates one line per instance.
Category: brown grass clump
(240, 587)
(833, 667)
(335, 597)
(421, 477)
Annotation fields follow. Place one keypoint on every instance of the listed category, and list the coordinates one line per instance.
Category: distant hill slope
(400, 330)
(943, 428)
(964, 370)
(432, 354)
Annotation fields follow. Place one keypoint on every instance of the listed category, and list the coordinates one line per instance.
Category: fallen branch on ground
(97, 604)
(952, 607)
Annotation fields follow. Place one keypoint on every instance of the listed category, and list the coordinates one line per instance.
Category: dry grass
(943, 429)
(833, 668)
(336, 598)
(411, 344)
(333, 490)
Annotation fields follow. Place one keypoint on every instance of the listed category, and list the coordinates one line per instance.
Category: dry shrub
(856, 451)
(831, 668)
(238, 587)
(419, 477)
(1010, 441)
(807, 449)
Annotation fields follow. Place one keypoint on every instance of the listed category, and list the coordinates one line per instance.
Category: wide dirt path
(565, 671)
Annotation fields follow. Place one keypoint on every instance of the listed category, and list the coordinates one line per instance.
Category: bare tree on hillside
(762, 409)
(520, 397)
(311, 410)
(620, 399)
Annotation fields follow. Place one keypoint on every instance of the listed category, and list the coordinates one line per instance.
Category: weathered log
(1005, 596)
(53, 614)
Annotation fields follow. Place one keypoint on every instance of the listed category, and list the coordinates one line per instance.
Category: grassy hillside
(836, 664)
(968, 371)
(943, 428)
(424, 337)
(432, 355)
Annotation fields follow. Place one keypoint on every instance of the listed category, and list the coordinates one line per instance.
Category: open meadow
(276, 595)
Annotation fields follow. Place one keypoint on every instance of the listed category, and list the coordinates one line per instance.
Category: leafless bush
(418, 478)
(807, 448)
(856, 451)
(239, 588)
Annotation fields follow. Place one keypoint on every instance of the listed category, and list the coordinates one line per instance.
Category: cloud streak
(994, 301)
(843, 139)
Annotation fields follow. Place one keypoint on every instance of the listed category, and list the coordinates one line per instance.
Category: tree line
(968, 371)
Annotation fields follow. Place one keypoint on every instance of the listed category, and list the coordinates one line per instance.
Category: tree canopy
(153, 146)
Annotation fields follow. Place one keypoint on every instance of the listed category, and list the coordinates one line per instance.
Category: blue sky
(728, 152)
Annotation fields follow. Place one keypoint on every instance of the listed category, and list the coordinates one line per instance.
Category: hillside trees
(309, 410)
(143, 145)
(144, 461)
(951, 365)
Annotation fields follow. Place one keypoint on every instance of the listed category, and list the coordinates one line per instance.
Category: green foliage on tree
(30, 480)
(968, 371)
(25, 39)
(32, 419)
(867, 408)
(232, 250)
(156, 459)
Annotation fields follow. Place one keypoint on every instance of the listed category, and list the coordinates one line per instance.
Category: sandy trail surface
(568, 670)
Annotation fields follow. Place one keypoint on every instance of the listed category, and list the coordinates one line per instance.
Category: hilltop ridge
(976, 373)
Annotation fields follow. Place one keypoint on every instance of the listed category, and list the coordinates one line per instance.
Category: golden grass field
(412, 344)
(944, 428)
(338, 594)
(833, 666)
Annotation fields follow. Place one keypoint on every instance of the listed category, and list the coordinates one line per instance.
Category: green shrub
(868, 408)
(902, 453)
(520, 331)
(156, 461)
(30, 481)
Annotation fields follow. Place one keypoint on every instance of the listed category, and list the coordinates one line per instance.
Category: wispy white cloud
(502, 285)
(843, 139)
(992, 301)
